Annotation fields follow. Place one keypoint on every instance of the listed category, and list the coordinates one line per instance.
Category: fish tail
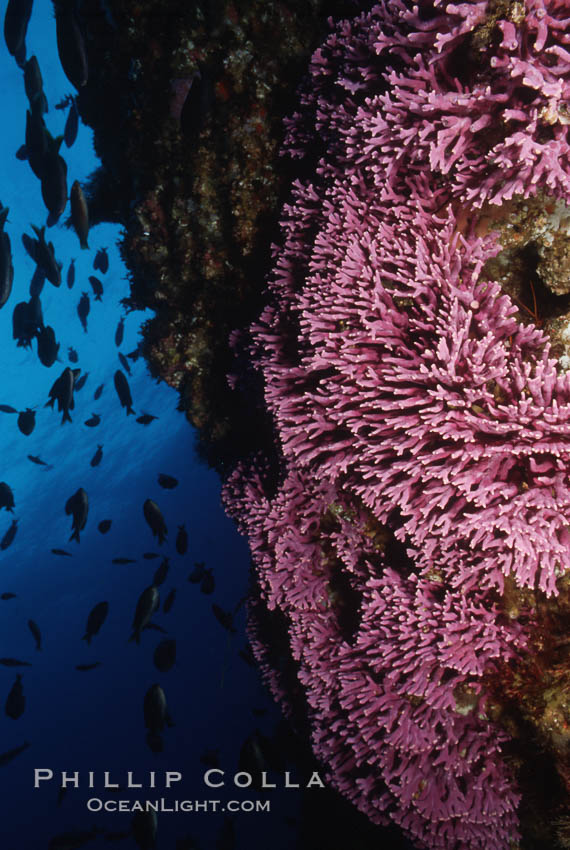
(130, 410)
(66, 417)
(98, 298)
(87, 637)
(83, 243)
(75, 535)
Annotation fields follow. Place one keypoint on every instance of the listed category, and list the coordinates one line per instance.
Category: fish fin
(66, 417)
(83, 244)
(75, 535)
(130, 410)
(86, 637)
(22, 153)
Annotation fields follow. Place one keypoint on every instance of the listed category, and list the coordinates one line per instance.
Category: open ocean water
(93, 720)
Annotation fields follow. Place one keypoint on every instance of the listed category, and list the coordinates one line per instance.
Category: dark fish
(167, 481)
(37, 460)
(37, 281)
(73, 840)
(80, 382)
(123, 561)
(6, 596)
(71, 274)
(97, 457)
(8, 538)
(208, 584)
(72, 355)
(147, 604)
(16, 702)
(85, 667)
(83, 308)
(62, 392)
(79, 213)
(34, 86)
(97, 287)
(22, 153)
(54, 184)
(146, 418)
(161, 573)
(70, 44)
(24, 327)
(45, 256)
(198, 573)
(124, 363)
(143, 828)
(71, 124)
(104, 526)
(27, 421)
(6, 497)
(123, 391)
(148, 556)
(9, 755)
(169, 601)
(33, 627)
(62, 552)
(93, 421)
(48, 348)
(224, 618)
(78, 506)
(165, 655)
(155, 520)
(6, 408)
(156, 717)
(6, 266)
(98, 392)
(95, 620)
(16, 22)
(101, 261)
(14, 662)
(182, 540)
(119, 332)
(37, 144)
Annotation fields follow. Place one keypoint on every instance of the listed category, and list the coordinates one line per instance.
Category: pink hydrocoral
(405, 394)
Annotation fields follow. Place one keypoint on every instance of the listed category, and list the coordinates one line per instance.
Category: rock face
(412, 550)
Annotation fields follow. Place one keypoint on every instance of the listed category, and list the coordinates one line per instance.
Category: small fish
(101, 261)
(6, 408)
(79, 214)
(97, 287)
(93, 421)
(198, 573)
(84, 667)
(167, 481)
(9, 755)
(62, 392)
(155, 520)
(165, 655)
(125, 363)
(161, 573)
(98, 392)
(71, 124)
(72, 355)
(120, 332)
(8, 538)
(146, 418)
(104, 526)
(224, 618)
(37, 635)
(156, 716)
(62, 552)
(123, 391)
(27, 421)
(169, 601)
(208, 584)
(71, 274)
(80, 382)
(6, 497)
(37, 282)
(123, 561)
(182, 540)
(7, 596)
(148, 556)
(97, 457)
(95, 620)
(78, 506)
(54, 184)
(16, 701)
(14, 662)
(48, 347)
(83, 308)
(147, 604)
(39, 462)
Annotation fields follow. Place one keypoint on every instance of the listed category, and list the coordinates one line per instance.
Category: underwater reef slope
(412, 552)
(186, 100)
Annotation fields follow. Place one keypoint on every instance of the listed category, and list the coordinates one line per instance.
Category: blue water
(93, 721)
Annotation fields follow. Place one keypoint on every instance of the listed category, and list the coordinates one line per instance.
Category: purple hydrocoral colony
(407, 396)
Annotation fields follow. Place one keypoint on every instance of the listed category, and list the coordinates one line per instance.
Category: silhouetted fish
(45, 256)
(24, 325)
(85, 667)
(124, 363)
(167, 481)
(101, 261)
(98, 392)
(169, 601)
(6, 408)
(123, 561)
(79, 213)
(54, 184)
(62, 552)
(247, 655)
(70, 43)
(161, 573)
(224, 618)
(8, 538)
(95, 620)
(15, 28)
(48, 347)
(14, 662)
(39, 462)
(148, 556)
(71, 274)
(37, 281)
(93, 421)
(78, 506)
(156, 716)
(33, 627)
(71, 124)
(6, 266)
(182, 540)
(62, 392)
(37, 145)
(123, 391)
(147, 604)
(104, 526)
(10, 755)
(7, 596)
(155, 520)
(16, 701)
(165, 655)
(198, 573)
(83, 308)
(146, 418)
(27, 421)
(119, 332)
(72, 355)
(97, 457)
(97, 287)
(6, 497)
(80, 382)
(34, 86)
